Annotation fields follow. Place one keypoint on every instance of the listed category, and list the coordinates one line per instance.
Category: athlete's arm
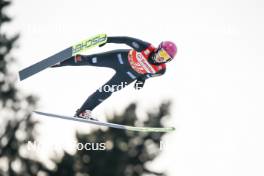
(136, 44)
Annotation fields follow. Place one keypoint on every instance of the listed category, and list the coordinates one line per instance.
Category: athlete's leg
(117, 82)
(110, 59)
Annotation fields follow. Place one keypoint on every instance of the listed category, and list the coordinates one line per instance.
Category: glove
(139, 84)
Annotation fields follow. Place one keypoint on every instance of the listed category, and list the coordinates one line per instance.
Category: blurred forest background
(128, 153)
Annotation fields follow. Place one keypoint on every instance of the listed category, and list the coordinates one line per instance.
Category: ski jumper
(129, 65)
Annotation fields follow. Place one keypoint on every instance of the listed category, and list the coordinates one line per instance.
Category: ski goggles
(162, 56)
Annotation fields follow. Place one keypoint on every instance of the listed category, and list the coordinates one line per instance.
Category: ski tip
(173, 128)
(151, 129)
(169, 129)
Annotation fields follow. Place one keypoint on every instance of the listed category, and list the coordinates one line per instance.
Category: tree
(17, 127)
(127, 153)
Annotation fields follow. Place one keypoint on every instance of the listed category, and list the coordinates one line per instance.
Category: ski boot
(86, 114)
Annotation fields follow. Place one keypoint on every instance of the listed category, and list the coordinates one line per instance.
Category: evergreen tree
(127, 153)
(17, 127)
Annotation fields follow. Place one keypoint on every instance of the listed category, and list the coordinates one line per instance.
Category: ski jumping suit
(130, 65)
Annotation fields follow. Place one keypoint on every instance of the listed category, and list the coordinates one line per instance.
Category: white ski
(107, 124)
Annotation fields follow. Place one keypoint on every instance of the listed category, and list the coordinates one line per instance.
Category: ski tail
(41, 65)
(63, 55)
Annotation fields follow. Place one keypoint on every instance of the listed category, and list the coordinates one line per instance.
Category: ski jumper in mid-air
(138, 64)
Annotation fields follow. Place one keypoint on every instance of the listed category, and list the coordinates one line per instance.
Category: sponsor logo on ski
(88, 43)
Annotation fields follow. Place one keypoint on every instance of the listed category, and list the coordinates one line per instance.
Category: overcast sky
(215, 82)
